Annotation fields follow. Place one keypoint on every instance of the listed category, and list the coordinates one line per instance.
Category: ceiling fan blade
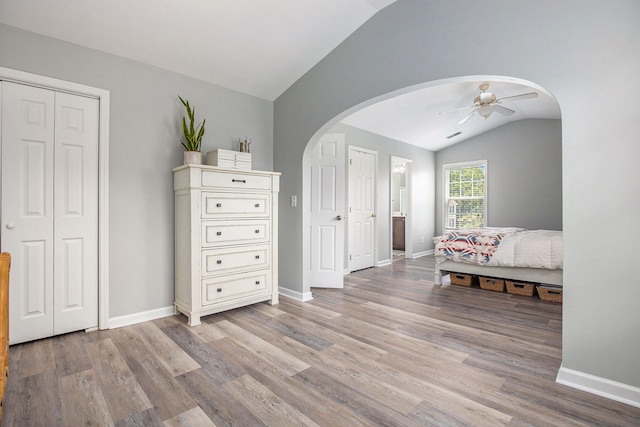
(519, 97)
(503, 110)
(467, 117)
(457, 109)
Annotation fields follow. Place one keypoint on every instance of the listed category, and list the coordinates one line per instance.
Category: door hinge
(349, 257)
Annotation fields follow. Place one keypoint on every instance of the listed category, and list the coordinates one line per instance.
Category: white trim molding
(298, 296)
(103, 97)
(599, 386)
(143, 316)
(421, 254)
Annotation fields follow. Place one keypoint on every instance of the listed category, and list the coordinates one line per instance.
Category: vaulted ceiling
(261, 48)
(252, 46)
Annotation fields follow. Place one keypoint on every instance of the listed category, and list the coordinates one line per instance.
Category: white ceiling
(258, 47)
(261, 48)
(415, 118)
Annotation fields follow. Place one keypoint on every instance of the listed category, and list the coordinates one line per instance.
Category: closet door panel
(27, 207)
(76, 213)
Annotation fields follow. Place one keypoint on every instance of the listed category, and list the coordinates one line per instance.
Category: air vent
(453, 134)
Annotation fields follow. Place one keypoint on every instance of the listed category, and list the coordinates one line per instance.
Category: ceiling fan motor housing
(485, 98)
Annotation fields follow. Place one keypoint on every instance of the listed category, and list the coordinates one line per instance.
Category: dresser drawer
(240, 232)
(235, 181)
(219, 289)
(216, 205)
(231, 260)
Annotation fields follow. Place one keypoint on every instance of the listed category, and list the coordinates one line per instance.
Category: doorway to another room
(401, 225)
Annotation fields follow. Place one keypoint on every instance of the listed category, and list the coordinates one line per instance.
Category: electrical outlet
(421, 239)
(294, 201)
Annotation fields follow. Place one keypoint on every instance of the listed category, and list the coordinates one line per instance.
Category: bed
(508, 253)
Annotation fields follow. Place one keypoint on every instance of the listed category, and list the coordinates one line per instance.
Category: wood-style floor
(390, 349)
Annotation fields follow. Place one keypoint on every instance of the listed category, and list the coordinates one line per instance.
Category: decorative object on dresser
(244, 145)
(192, 134)
(226, 237)
(229, 159)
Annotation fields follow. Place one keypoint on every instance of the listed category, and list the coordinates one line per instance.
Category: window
(465, 195)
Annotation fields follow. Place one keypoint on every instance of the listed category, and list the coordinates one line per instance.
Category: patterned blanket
(477, 245)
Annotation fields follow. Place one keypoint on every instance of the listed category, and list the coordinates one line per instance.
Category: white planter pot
(192, 158)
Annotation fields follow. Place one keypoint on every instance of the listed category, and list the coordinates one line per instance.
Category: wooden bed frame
(534, 275)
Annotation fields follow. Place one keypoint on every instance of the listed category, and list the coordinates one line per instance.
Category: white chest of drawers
(226, 234)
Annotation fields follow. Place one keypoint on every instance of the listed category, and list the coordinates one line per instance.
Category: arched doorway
(451, 88)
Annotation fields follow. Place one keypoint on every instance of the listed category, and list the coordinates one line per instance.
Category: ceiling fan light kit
(487, 102)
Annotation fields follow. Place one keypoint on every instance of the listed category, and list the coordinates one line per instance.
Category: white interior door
(49, 210)
(76, 213)
(27, 208)
(362, 214)
(327, 212)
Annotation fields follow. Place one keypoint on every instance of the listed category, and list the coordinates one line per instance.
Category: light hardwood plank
(122, 392)
(391, 348)
(192, 418)
(84, 403)
(165, 393)
(266, 405)
(174, 358)
(267, 350)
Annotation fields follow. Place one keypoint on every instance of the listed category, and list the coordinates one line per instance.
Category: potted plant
(192, 135)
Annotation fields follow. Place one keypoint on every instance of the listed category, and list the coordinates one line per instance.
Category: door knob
(10, 226)
(339, 218)
(373, 215)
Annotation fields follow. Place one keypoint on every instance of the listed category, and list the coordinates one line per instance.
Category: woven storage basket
(520, 288)
(550, 294)
(491, 284)
(461, 279)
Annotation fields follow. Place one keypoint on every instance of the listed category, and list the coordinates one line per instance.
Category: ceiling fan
(487, 102)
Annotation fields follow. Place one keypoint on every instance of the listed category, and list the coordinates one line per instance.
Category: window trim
(445, 189)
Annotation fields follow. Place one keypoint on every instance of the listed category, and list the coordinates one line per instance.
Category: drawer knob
(243, 181)
(257, 282)
(219, 261)
(257, 231)
(257, 256)
(257, 205)
(219, 289)
(218, 205)
(219, 233)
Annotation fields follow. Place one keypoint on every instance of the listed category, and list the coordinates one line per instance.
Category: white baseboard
(613, 390)
(421, 254)
(384, 262)
(132, 319)
(298, 296)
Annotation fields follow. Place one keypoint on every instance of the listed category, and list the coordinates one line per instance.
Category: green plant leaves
(192, 134)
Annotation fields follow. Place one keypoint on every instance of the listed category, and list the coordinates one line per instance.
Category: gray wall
(422, 182)
(524, 173)
(551, 43)
(144, 147)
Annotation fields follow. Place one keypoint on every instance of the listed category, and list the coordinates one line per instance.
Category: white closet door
(27, 208)
(76, 212)
(49, 210)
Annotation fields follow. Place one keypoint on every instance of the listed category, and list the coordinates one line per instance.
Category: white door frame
(21, 77)
(408, 223)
